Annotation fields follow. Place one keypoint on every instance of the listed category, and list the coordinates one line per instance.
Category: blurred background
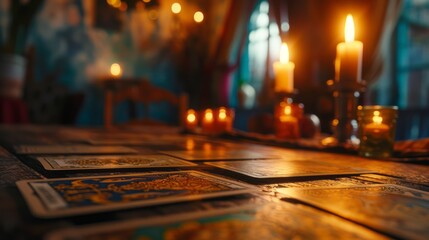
(220, 53)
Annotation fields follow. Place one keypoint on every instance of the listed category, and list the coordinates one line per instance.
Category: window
(412, 70)
(263, 48)
(412, 62)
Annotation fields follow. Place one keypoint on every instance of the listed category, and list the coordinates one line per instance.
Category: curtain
(279, 12)
(226, 56)
(382, 21)
(279, 9)
(381, 74)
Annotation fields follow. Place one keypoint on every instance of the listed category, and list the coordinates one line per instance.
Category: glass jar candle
(377, 126)
(191, 121)
(224, 119)
(208, 121)
(286, 120)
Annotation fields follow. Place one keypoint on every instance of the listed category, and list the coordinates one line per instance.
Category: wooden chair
(139, 92)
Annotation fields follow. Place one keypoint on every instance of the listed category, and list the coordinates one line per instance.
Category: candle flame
(376, 118)
(284, 53)
(115, 70)
(191, 116)
(222, 113)
(288, 110)
(349, 31)
(208, 115)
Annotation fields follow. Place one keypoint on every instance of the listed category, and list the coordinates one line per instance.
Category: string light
(176, 8)
(198, 16)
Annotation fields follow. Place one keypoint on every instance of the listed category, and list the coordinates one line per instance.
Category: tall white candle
(283, 71)
(348, 64)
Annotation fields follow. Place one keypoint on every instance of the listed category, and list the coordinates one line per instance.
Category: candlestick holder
(344, 125)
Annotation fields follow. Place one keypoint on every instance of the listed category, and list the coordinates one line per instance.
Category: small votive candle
(191, 121)
(208, 121)
(377, 126)
(224, 119)
(286, 119)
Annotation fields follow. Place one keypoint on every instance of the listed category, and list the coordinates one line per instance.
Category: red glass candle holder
(286, 120)
(191, 121)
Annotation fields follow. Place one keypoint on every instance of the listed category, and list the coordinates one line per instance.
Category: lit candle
(287, 124)
(377, 129)
(115, 70)
(348, 63)
(377, 125)
(283, 71)
(208, 121)
(224, 119)
(191, 119)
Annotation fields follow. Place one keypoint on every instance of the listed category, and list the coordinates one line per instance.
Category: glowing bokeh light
(176, 8)
(198, 16)
(115, 70)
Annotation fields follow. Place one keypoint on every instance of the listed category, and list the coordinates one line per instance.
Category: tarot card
(111, 162)
(269, 221)
(61, 197)
(71, 149)
(145, 139)
(111, 141)
(382, 179)
(219, 154)
(4, 154)
(280, 168)
(391, 209)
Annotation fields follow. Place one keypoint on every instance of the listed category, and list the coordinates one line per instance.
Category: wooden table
(17, 222)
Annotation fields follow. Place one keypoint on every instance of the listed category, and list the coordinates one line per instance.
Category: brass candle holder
(344, 125)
